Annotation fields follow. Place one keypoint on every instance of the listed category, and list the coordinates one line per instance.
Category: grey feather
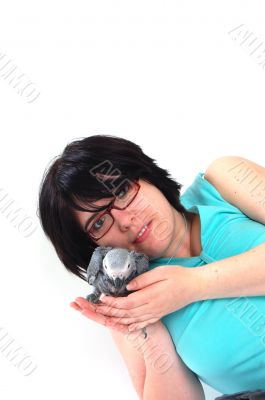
(95, 263)
(111, 269)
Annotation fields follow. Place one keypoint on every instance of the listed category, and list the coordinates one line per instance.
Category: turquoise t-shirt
(221, 340)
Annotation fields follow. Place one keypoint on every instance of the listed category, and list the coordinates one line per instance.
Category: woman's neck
(185, 249)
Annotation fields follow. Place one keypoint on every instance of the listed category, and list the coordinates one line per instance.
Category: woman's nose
(123, 218)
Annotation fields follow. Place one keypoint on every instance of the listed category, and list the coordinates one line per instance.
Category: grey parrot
(111, 269)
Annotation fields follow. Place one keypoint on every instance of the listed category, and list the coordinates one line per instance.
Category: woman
(78, 211)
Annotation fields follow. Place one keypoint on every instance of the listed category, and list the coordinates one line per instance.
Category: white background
(165, 74)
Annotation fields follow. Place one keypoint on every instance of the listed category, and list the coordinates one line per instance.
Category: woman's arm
(157, 372)
(132, 357)
(167, 377)
(241, 182)
(236, 276)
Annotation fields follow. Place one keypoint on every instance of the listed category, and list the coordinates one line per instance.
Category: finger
(133, 300)
(146, 279)
(75, 306)
(83, 303)
(108, 299)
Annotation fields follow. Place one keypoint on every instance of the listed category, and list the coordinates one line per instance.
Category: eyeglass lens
(123, 196)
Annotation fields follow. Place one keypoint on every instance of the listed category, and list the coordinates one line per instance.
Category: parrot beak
(118, 283)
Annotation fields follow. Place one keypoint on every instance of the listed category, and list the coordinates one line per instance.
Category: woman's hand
(88, 310)
(158, 292)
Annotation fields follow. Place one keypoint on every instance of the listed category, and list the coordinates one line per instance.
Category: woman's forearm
(237, 276)
(171, 384)
(167, 377)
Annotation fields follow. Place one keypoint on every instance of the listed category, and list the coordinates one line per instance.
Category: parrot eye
(128, 266)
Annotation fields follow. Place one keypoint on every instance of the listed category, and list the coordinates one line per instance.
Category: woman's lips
(145, 234)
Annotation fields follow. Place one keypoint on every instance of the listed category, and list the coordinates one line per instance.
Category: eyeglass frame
(108, 211)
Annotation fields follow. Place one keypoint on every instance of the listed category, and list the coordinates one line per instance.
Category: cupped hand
(88, 310)
(157, 292)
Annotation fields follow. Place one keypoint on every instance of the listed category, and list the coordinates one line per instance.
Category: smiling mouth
(144, 232)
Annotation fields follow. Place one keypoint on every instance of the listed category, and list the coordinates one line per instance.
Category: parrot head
(118, 266)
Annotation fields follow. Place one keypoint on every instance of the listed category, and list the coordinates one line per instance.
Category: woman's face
(149, 207)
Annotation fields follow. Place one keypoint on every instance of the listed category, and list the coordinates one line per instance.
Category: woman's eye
(123, 191)
(99, 223)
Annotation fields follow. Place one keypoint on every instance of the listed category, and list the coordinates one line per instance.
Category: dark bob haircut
(71, 183)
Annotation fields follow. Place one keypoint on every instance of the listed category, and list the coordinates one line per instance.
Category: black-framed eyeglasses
(124, 196)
